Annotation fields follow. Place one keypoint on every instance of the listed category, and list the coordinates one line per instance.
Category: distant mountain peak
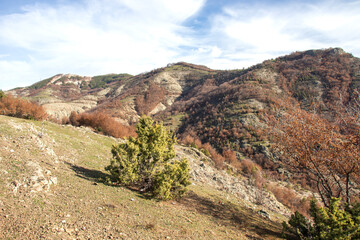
(194, 66)
(315, 52)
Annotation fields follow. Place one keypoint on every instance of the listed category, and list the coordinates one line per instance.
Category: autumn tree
(20, 108)
(101, 122)
(147, 162)
(313, 146)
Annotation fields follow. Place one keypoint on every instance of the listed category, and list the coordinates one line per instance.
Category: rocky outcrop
(202, 171)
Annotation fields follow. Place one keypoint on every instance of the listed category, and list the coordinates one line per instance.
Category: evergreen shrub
(147, 162)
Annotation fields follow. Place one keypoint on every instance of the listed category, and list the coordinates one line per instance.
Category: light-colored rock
(160, 107)
(104, 92)
(172, 81)
(219, 179)
(119, 90)
(53, 180)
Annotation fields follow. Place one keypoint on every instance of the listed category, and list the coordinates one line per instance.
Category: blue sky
(40, 38)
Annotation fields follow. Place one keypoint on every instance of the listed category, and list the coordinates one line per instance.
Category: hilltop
(51, 187)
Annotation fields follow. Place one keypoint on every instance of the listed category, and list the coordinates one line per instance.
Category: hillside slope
(64, 93)
(123, 96)
(324, 76)
(222, 108)
(50, 188)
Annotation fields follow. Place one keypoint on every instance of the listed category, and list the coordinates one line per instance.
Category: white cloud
(14, 73)
(107, 36)
(96, 38)
(251, 33)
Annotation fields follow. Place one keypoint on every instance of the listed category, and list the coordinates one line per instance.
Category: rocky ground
(203, 172)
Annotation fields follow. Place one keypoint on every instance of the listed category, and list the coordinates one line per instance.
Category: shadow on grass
(89, 174)
(143, 195)
(229, 214)
(100, 177)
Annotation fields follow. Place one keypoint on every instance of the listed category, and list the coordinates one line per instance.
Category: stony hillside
(51, 188)
(311, 76)
(64, 93)
(222, 108)
(123, 96)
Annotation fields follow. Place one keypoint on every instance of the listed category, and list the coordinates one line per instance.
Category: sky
(42, 38)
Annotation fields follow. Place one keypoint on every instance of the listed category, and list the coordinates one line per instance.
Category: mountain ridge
(175, 79)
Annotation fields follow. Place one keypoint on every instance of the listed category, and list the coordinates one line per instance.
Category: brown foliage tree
(314, 146)
(150, 99)
(102, 122)
(17, 107)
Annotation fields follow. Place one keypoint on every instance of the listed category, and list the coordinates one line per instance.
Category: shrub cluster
(146, 162)
(101, 122)
(16, 107)
(102, 80)
(289, 198)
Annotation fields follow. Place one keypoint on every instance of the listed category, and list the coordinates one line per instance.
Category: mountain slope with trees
(289, 126)
(222, 112)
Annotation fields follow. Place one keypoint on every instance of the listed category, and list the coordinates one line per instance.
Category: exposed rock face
(205, 173)
(38, 178)
(160, 107)
(64, 93)
(60, 109)
(171, 81)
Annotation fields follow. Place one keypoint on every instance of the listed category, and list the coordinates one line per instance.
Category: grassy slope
(81, 207)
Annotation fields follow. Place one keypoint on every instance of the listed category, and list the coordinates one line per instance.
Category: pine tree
(147, 162)
(329, 223)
